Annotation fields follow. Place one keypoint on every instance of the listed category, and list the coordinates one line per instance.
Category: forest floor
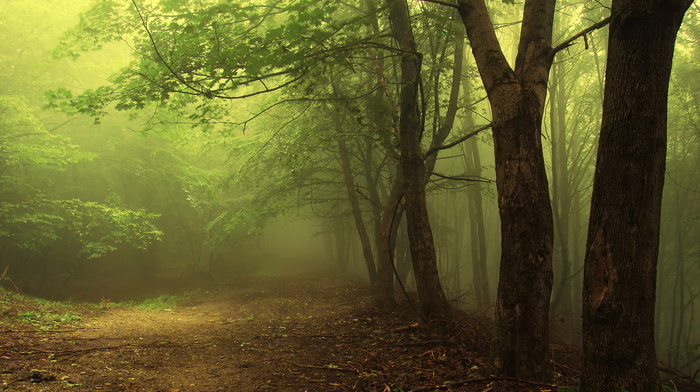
(280, 333)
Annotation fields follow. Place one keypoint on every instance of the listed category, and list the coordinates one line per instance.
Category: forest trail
(290, 333)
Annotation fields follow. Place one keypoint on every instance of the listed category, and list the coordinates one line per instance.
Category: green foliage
(24, 142)
(29, 219)
(207, 49)
(97, 228)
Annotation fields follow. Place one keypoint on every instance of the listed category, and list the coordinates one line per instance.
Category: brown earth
(291, 333)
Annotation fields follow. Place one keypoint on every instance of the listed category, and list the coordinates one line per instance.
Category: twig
(327, 367)
(483, 379)
(81, 350)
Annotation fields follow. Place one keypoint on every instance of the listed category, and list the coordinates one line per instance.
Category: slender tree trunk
(517, 103)
(562, 303)
(349, 181)
(386, 239)
(356, 210)
(482, 287)
(479, 255)
(623, 234)
(432, 298)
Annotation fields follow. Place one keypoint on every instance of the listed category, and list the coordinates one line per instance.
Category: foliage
(30, 218)
(187, 50)
(25, 143)
(97, 228)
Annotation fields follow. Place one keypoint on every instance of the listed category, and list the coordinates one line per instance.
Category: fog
(129, 186)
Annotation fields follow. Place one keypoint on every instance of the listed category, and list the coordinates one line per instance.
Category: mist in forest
(110, 182)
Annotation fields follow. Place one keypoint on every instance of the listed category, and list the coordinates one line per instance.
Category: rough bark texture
(623, 235)
(517, 102)
(430, 294)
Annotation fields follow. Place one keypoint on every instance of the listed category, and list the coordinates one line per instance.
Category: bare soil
(285, 333)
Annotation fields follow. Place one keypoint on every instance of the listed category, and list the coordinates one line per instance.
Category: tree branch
(160, 56)
(462, 178)
(578, 35)
(446, 4)
(460, 140)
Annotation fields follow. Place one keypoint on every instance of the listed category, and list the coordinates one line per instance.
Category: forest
(531, 167)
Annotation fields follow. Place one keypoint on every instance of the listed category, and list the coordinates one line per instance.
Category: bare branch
(446, 4)
(578, 35)
(460, 140)
(463, 178)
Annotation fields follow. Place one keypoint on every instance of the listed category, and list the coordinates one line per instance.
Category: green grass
(47, 319)
(164, 302)
(17, 309)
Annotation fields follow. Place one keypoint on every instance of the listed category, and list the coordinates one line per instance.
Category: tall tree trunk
(623, 234)
(517, 103)
(479, 256)
(356, 210)
(431, 296)
(562, 303)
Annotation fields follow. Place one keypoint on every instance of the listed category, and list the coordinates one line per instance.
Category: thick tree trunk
(431, 296)
(517, 102)
(623, 234)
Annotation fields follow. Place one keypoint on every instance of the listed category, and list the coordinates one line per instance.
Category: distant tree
(33, 216)
(623, 234)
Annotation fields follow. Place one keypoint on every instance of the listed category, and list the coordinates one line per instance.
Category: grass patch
(18, 309)
(162, 302)
(165, 302)
(21, 310)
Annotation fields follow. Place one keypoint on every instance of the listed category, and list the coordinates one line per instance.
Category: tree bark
(623, 234)
(431, 296)
(517, 103)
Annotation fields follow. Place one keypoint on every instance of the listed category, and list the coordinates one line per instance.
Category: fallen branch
(484, 379)
(325, 367)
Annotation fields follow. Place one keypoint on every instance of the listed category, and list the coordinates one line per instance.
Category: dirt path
(264, 334)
